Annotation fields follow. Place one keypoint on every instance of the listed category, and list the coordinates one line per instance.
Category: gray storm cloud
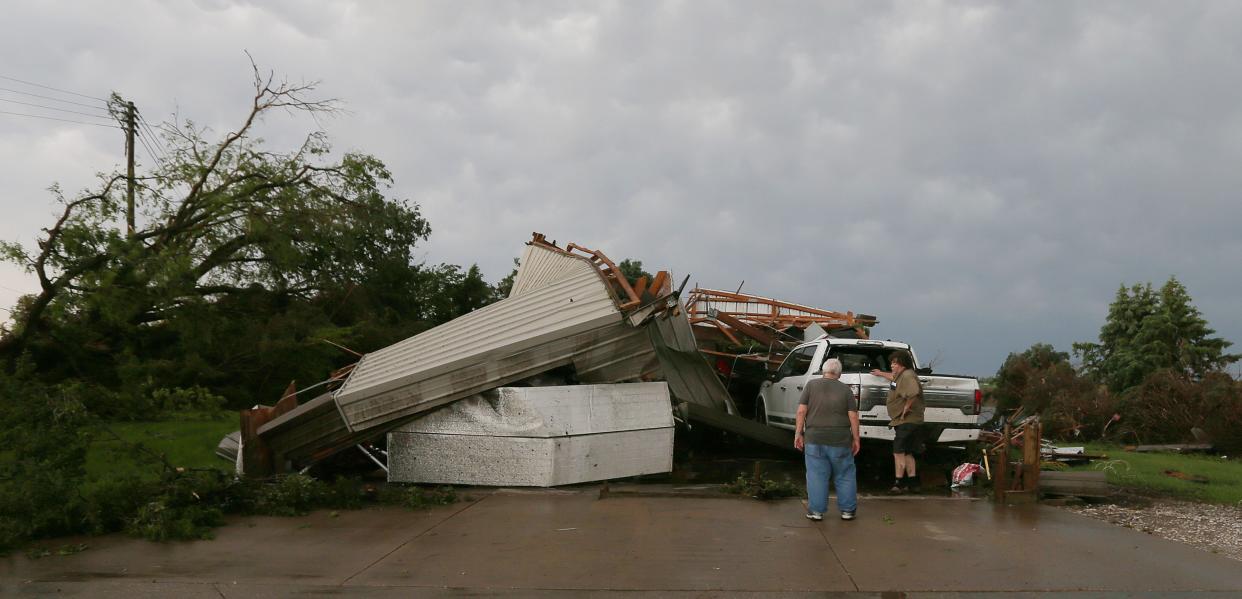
(981, 176)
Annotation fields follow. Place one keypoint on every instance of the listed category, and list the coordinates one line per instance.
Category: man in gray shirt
(827, 434)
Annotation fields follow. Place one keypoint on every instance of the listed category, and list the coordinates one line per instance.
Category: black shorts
(907, 438)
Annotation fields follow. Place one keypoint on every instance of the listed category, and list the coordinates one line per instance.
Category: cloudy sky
(980, 176)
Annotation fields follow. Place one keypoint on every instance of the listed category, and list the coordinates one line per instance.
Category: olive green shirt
(905, 386)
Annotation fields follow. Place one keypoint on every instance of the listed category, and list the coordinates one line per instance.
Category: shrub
(1165, 406)
(193, 402)
(415, 498)
(188, 506)
(44, 435)
(762, 488)
(1041, 380)
(292, 495)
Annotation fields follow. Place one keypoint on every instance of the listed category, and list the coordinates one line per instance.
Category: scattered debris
(762, 487)
(1015, 482)
(1086, 483)
(570, 310)
(1171, 448)
(745, 336)
(1194, 478)
(964, 475)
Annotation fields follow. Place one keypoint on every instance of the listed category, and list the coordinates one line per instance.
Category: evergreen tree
(1149, 330)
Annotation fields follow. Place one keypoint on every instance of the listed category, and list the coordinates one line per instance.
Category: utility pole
(129, 166)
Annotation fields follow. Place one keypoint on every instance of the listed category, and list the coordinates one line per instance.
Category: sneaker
(816, 516)
(847, 515)
(897, 489)
(913, 484)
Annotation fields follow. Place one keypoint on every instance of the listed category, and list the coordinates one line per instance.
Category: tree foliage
(633, 270)
(244, 261)
(1042, 380)
(1148, 330)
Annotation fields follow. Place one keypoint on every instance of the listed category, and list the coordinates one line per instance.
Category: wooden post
(256, 455)
(258, 460)
(1000, 468)
(1030, 455)
(130, 126)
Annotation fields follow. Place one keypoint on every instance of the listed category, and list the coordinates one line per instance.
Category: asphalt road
(559, 543)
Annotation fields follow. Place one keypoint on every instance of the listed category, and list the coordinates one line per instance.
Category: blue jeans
(828, 461)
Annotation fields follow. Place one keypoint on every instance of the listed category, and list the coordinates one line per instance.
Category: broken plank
(1078, 484)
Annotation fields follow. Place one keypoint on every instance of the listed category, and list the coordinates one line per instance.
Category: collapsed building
(571, 319)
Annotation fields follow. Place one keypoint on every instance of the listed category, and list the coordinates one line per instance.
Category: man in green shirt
(905, 412)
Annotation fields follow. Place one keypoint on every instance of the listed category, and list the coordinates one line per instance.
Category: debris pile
(571, 315)
(746, 336)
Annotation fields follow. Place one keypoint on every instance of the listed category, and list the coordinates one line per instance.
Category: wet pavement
(574, 543)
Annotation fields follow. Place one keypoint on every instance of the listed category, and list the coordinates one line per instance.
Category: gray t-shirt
(828, 403)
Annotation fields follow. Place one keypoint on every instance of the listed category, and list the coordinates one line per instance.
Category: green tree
(1148, 330)
(1013, 381)
(243, 260)
(633, 270)
(1043, 381)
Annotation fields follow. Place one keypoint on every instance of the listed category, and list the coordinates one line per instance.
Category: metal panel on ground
(538, 436)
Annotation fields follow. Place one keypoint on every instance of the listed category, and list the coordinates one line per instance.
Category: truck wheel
(761, 412)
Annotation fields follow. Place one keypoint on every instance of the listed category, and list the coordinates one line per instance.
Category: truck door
(791, 378)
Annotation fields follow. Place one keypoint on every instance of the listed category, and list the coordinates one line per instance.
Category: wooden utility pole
(129, 166)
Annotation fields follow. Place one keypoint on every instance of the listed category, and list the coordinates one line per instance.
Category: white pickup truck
(952, 413)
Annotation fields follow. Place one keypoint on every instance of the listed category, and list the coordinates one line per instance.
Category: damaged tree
(218, 220)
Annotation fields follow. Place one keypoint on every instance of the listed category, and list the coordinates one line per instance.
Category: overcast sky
(980, 176)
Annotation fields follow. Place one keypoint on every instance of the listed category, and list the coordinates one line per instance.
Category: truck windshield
(861, 359)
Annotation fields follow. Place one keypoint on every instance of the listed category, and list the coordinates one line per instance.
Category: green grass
(1144, 472)
(184, 443)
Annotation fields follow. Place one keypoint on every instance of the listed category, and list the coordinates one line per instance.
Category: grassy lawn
(1145, 472)
(185, 443)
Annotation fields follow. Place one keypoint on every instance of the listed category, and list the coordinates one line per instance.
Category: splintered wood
(1016, 481)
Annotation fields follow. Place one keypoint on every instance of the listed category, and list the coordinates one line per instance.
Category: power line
(151, 134)
(97, 116)
(53, 99)
(146, 145)
(63, 91)
(155, 139)
(52, 118)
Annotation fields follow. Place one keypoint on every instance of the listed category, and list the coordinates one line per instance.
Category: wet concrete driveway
(539, 543)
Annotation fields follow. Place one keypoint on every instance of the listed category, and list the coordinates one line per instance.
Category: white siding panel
(468, 346)
(540, 267)
(539, 436)
(552, 411)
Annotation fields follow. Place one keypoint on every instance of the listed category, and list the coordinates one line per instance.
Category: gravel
(1214, 528)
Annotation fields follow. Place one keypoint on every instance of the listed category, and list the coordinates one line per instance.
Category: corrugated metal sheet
(629, 356)
(540, 267)
(316, 430)
(305, 430)
(388, 383)
(690, 378)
